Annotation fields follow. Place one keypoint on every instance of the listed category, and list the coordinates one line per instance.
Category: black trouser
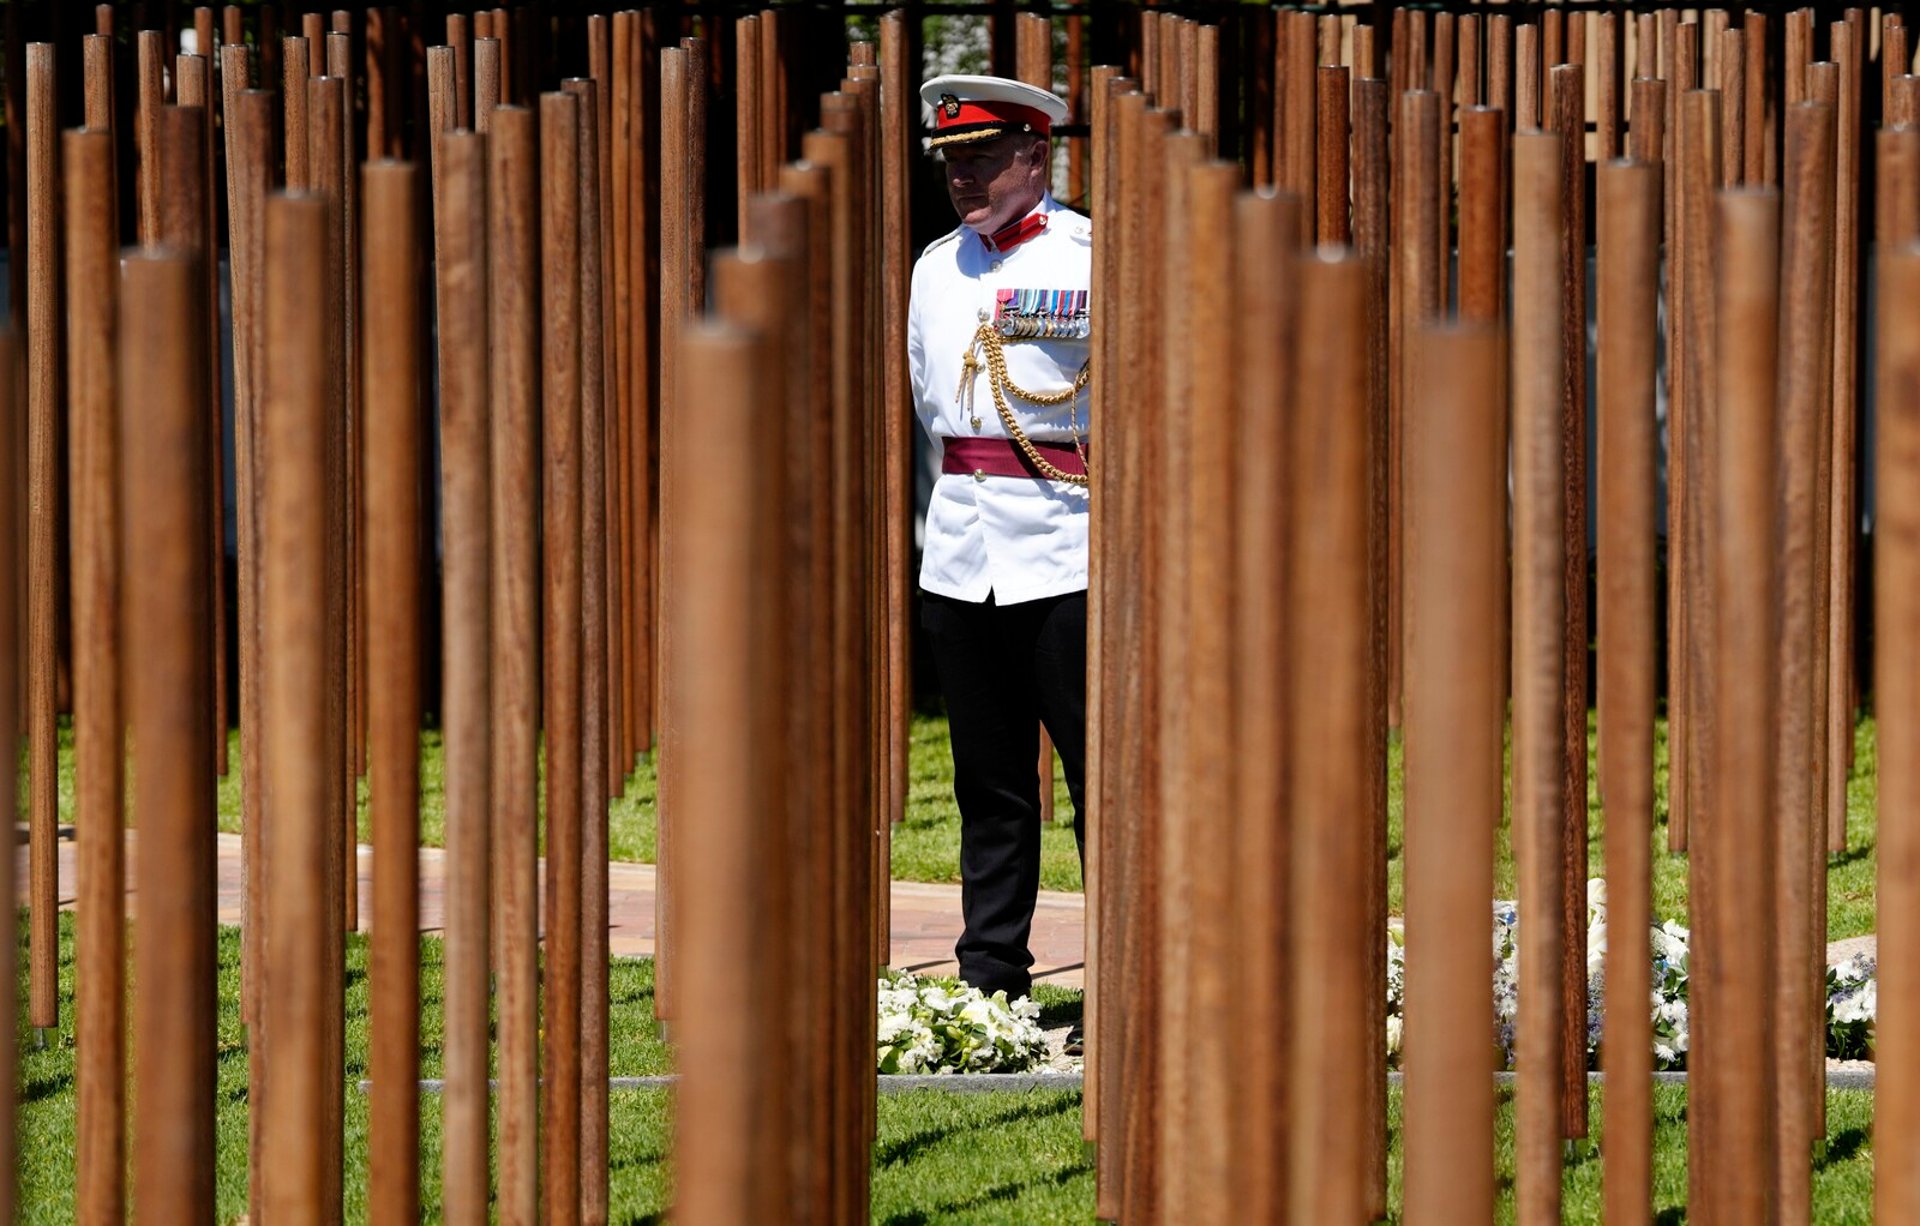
(1005, 670)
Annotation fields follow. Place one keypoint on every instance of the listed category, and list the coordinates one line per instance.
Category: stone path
(926, 918)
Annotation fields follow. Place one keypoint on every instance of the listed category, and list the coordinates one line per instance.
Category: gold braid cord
(988, 342)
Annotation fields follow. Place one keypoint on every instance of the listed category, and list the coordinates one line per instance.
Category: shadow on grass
(1855, 852)
(1841, 1147)
(895, 1153)
(999, 1192)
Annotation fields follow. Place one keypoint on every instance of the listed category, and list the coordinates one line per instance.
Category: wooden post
(513, 336)
(1646, 137)
(1298, 127)
(462, 289)
(163, 415)
(326, 101)
(294, 685)
(1420, 286)
(390, 267)
(1896, 588)
(733, 1136)
(1607, 77)
(249, 157)
(1483, 244)
(1174, 1029)
(1693, 413)
(460, 41)
(1456, 493)
(380, 32)
(1895, 58)
(1759, 104)
(1733, 107)
(1568, 118)
(1144, 133)
(1806, 275)
(561, 361)
(1842, 527)
(1734, 994)
(1500, 64)
(594, 669)
(1332, 156)
(92, 257)
(45, 396)
(193, 85)
(1265, 316)
(10, 436)
(150, 94)
(748, 108)
(679, 252)
(1370, 230)
(1628, 267)
(899, 110)
(1202, 1180)
(1539, 662)
(293, 93)
(1328, 648)
(1108, 619)
(340, 65)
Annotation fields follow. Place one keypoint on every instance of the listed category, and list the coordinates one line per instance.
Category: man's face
(994, 182)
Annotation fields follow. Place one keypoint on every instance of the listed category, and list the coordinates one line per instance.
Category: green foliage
(939, 1157)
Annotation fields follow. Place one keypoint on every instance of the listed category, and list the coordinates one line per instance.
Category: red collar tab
(1007, 238)
(954, 113)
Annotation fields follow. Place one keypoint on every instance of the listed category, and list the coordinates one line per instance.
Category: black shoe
(1076, 1044)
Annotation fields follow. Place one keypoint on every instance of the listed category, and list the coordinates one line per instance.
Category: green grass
(938, 1157)
(926, 846)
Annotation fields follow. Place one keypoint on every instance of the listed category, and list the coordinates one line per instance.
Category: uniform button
(978, 475)
(983, 315)
(994, 267)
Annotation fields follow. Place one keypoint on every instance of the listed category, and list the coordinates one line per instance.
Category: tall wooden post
(294, 682)
(1567, 100)
(1370, 233)
(1843, 531)
(1328, 650)
(593, 669)
(93, 247)
(150, 94)
(899, 111)
(10, 656)
(679, 252)
(1734, 993)
(514, 382)
(1539, 663)
(560, 229)
(1896, 587)
(163, 419)
(1627, 262)
(1456, 496)
(326, 102)
(45, 396)
(732, 1135)
(1799, 727)
(249, 116)
(390, 271)
(462, 289)
(1265, 320)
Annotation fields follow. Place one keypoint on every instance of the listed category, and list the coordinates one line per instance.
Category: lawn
(926, 846)
(939, 1157)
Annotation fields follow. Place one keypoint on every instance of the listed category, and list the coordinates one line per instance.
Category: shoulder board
(1080, 229)
(937, 243)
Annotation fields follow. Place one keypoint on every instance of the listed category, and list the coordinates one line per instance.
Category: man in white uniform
(997, 346)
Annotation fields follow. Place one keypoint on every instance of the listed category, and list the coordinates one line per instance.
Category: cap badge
(950, 105)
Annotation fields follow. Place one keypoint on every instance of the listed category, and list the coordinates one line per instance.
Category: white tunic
(1018, 538)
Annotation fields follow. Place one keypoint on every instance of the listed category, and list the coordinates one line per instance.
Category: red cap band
(957, 114)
